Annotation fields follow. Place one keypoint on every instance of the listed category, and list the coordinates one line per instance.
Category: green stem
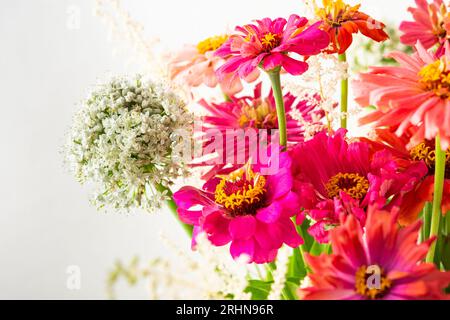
(275, 79)
(438, 193)
(447, 224)
(344, 96)
(426, 221)
(173, 208)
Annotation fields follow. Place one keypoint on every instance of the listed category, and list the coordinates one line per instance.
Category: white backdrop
(46, 65)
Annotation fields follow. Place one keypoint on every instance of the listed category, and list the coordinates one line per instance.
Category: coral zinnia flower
(254, 117)
(341, 20)
(335, 178)
(417, 93)
(383, 264)
(197, 65)
(414, 201)
(246, 208)
(268, 43)
(431, 25)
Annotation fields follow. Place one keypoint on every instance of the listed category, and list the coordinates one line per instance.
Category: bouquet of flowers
(298, 193)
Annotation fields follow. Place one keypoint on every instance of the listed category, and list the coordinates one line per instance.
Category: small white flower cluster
(322, 78)
(211, 273)
(279, 275)
(123, 138)
(224, 276)
(123, 29)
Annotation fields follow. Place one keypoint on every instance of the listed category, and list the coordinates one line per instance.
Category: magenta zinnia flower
(335, 178)
(385, 263)
(255, 116)
(245, 208)
(268, 43)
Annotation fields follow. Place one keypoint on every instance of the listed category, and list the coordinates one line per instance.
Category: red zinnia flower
(413, 202)
(385, 263)
(334, 177)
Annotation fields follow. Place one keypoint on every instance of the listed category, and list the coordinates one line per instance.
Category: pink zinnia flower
(197, 65)
(268, 43)
(431, 25)
(256, 117)
(384, 264)
(245, 208)
(416, 93)
(335, 178)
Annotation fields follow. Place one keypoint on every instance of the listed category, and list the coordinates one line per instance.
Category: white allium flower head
(127, 138)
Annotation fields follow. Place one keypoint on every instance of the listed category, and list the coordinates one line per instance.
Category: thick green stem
(438, 192)
(275, 78)
(344, 96)
(173, 208)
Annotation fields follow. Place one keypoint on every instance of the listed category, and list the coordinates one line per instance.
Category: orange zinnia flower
(341, 20)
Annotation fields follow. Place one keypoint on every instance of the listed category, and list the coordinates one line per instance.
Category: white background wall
(46, 221)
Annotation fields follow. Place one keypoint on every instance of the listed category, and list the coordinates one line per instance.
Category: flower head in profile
(341, 21)
(268, 43)
(123, 140)
(255, 118)
(246, 208)
(197, 65)
(334, 178)
(414, 201)
(385, 263)
(416, 93)
(431, 25)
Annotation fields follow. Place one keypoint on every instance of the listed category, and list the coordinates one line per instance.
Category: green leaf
(317, 249)
(297, 267)
(291, 290)
(303, 231)
(259, 289)
(445, 253)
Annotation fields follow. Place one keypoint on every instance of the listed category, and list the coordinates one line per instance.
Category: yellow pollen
(270, 41)
(211, 44)
(335, 12)
(366, 288)
(260, 116)
(241, 191)
(426, 152)
(352, 184)
(435, 77)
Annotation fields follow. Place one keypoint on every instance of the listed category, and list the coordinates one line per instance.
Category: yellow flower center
(261, 116)
(335, 12)
(242, 192)
(426, 151)
(372, 282)
(435, 77)
(211, 44)
(270, 41)
(352, 184)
